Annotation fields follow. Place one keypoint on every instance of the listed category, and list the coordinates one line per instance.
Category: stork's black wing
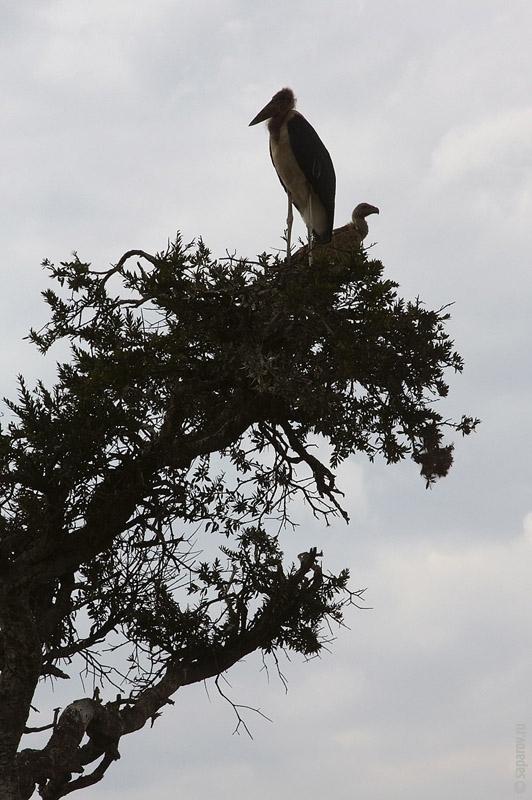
(315, 162)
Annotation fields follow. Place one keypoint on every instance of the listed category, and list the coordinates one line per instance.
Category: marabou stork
(303, 165)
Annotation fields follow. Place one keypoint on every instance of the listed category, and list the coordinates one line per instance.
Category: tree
(187, 412)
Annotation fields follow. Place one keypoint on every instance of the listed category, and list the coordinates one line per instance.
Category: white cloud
(527, 526)
(498, 143)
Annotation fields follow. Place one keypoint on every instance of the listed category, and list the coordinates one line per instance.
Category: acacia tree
(143, 495)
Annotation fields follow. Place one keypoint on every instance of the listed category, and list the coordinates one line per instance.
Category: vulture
(350, 235)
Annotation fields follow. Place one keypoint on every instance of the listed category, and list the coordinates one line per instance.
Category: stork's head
(364, 210)
(280, 104)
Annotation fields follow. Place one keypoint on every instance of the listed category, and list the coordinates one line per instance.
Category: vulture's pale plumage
(355, 231)
(348, 236)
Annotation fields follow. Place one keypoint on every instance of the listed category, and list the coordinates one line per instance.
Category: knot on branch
(64, 754)
(308, 562)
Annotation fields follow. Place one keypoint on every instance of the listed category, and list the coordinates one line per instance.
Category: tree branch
(64, 754)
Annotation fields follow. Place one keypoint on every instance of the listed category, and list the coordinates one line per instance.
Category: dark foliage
(143, 494)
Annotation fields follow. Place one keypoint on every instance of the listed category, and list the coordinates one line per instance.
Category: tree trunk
(18, 680)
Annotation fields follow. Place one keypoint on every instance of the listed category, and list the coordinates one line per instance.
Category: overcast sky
(124, 121)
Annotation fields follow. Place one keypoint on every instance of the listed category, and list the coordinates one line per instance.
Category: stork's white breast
(295, 182)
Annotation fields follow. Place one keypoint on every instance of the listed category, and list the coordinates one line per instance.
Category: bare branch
(237, 707)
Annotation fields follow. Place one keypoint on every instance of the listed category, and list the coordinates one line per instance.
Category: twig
(236, 708)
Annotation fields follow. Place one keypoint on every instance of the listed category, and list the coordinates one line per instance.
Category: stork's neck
(276, 123)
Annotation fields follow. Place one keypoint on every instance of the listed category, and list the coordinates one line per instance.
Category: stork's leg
(289, 220)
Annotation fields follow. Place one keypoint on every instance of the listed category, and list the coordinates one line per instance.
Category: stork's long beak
(268, 111)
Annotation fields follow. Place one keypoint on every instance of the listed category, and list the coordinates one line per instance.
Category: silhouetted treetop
(144, 493)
